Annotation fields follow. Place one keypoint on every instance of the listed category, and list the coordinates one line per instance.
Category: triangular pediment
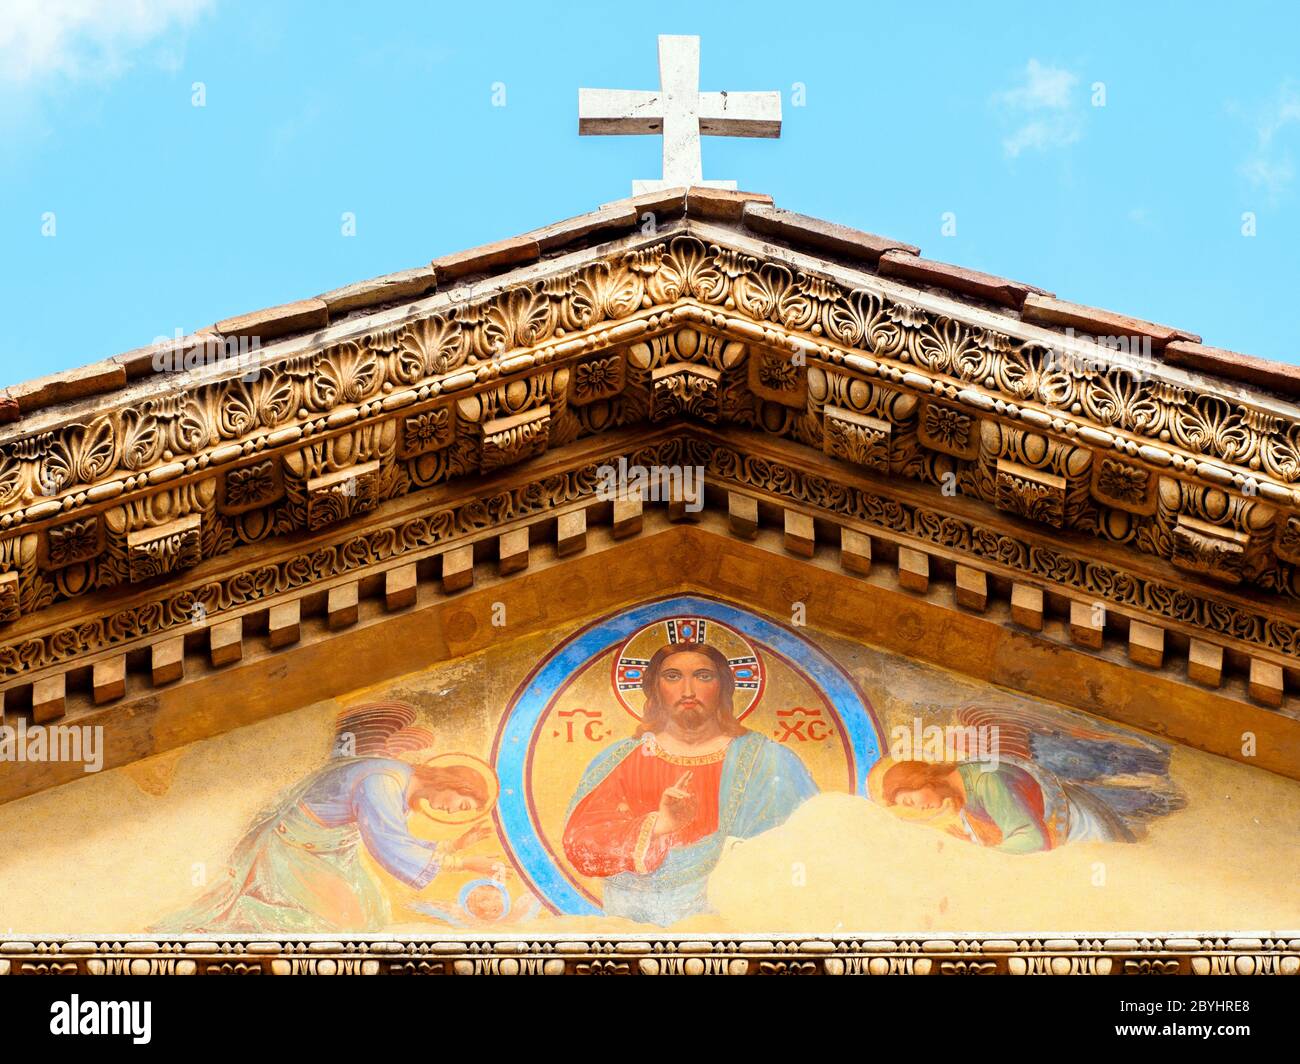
(904, 495)
(823, 374)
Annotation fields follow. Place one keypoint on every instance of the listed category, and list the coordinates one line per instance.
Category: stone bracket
(1200, 547)
(685, 388)
(857, 438)
(512, 439)
(342, 494)
(164, 548)
(1030, 493)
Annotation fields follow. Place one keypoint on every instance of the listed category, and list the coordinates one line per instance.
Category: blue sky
(167, 216)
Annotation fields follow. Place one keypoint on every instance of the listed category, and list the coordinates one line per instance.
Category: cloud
(1269, 167)
(74, 40)
(1042, 108)
(1273, 177)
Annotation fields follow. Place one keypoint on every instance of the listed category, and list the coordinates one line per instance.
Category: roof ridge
(752, 211)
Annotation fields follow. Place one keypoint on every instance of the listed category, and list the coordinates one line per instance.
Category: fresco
(610, 778)
(1043, 781)
(300, 866)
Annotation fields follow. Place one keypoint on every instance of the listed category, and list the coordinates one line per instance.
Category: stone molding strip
(1103, 954)
(403, 532)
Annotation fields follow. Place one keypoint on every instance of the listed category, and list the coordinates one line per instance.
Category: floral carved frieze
(1223, 953)
(469, 334)
(347, 554)
(1105, 582)
(661, 329)
(352, 553)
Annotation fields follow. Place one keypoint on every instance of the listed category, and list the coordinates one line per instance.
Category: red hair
(459, 778)
(914, 775)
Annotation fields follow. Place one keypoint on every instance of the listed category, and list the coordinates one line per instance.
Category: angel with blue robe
(299, 867)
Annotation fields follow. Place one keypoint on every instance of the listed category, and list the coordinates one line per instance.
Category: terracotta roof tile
(274, 322)
(1047, 310)
(956, 278)
(722, 204)
(665, 205)
(824, 236)
(146, 360)
(1277, 376)
(614, 218)
(95, 379)
(407, 284)
(517, 251)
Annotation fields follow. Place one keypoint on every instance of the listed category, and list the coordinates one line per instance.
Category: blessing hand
(677, 806)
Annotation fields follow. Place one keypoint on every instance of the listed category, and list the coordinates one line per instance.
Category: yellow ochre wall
(121, 850)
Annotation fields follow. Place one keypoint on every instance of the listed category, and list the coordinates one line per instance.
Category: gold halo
(643, 643)
(876, 779)
(484, 770)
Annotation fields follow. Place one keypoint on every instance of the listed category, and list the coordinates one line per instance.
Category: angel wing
(1117, 779)
(409, 740)
(366, 730)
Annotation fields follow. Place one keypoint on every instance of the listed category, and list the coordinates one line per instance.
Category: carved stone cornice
(784, 473)
(918, 392)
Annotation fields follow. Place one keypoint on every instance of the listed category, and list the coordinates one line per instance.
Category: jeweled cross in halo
(681, 113)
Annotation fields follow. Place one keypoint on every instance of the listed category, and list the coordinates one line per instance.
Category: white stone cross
(681, 113)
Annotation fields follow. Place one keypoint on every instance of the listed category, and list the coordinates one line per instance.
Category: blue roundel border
(511, 749)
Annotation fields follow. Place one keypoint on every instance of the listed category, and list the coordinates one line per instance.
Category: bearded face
(689, 688)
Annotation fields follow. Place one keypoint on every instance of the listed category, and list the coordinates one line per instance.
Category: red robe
(611, 829)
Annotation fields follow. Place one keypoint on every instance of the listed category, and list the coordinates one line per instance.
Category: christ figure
(652, 813)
